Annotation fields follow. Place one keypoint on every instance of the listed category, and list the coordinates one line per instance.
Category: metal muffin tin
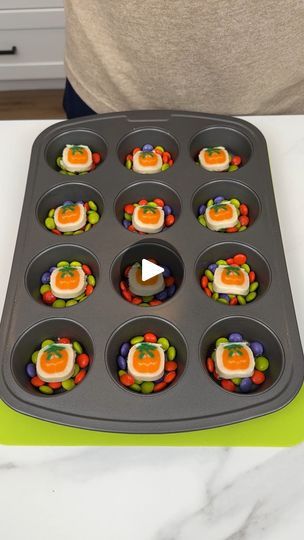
(190, 320)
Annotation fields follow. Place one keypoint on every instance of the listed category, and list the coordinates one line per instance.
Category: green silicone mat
(282, 428)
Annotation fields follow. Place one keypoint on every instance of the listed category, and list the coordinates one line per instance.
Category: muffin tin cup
(189, 318)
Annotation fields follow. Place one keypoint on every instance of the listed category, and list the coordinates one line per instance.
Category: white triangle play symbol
(149, 269)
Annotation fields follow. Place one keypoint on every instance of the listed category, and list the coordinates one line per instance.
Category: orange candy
(67, 278)
(214, 156)
(235, 359)
(149, 214)
(232, 276)
(54, 359)
(68, 213)
(219, 212)
(78, 155)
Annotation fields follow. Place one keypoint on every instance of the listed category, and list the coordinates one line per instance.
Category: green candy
(202, 220)
(34, 357)
(63, 171)
(121, 372)
(144, 304)
(62, 263)
(164, 342)
(58, 161)
(221, 262)
(127, 216)
(251, 296)
(136, 387)
(261, 363)
(91, 280)
(70, 303)
(246, 267)
(243, 228)
(68, 233)
(213, 355)
(254, 286)
(222, 301)
(47, 342)
(51, 212)
(215, 296)
(75, 263)
(136, 339)
(210, 286)
(88, 227)
(210, 203)
(129, 164)
(58, 303)
(235, 202)
(231, 296)
(160, 148)
(147, 387)
(221, 340)
(44, 288)
(232, 168)
(76, 370)
(68, 385)
(241, 300)
(152, 203)
(165, 166)
(92, 205)
(78, 232)
(93, 218)
(50, 223)
(80, 297)
(46, 389)
(77, 347)
(171, 353)
(236, 381)
(147, 298)
(209, 274)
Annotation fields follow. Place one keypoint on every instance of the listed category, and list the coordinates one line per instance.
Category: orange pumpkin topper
(54, 359)
(235, 357)
(219, 212)
(214, 156)
(78, 155)
(68, 213)
(233, 275)
(147, 358)
(151, 281)
(147, 159)
(149, 214)
(67, 277)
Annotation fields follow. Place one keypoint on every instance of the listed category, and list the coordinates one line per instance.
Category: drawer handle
(13, 50)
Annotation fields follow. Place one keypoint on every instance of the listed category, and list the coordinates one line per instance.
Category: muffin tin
(189, 320)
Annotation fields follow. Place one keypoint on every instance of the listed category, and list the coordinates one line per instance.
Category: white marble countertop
(156, 493)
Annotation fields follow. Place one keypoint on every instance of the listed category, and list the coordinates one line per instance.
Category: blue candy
(225, 296)
(257, 348)
(163, 295)
(31, 370)
(212, 267)
(67, 202)
(218, 200)
(121, 362)
(171, 290)
(166, 272)
(167, 210)
(124, 349)
(45, 278)
(52, 268)
(235, 337)
(126, 223)
(159, 380)
(201, 209)
(80, 202)
(246, 385)
(147, 148)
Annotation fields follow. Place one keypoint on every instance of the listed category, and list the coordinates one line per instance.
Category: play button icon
(149, 270)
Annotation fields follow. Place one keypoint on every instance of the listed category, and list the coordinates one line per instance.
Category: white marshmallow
(65, 294)
(150, 169)
(226, 373)
(75, 225)
(220, 287)
(215, 166)
(148, 227)
(214, 225)
(58, 376)
(76, 167)
(147, 288)
(149, 376)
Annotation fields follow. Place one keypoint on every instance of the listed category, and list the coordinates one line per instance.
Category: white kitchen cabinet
(31, 44)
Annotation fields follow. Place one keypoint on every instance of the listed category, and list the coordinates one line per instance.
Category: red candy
(123, 286)
(136, 300)
(169, 377)
(83, 360)
(87, 270)
(204, 282)
(244, 209)
(159, 386)
(131, 228)
(55, 231)
(127, 295)
(55, 385)
(150, 338)
(80, 376)
(233, 301)
(244, 220)
(258, 377)
(37, 382)
(89, 290)
(169, 220)
(208, 292)
(228, 385)
(155, 303)
(231, 229)
(126, 379)
(170, 365)
(129, 208)
(169, 281)
(239, 259)
(230, 260)
(48, 297)
(210, 365)
(142, 202)
(159, 202)
(96, 158)
(236, 160)
(251, 276)
(137, 149)
(63, 340)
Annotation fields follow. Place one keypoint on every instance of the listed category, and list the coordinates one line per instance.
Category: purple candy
(159, 380)
(147, 148)
(201, 209)
(246, 385)
(124, 349)
(171, 290)
(31, 370)
(257, 348)
(235, 337)
(225, 296)
(218, 200)
(212, 267)
(45, 278)
(121, 362)
(67, 202)
(167, 210)
(126, 223)
(80, 202)
(163, 295)
(52, 268)
(166, 272)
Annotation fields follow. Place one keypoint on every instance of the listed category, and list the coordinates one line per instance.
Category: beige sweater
(228, 57)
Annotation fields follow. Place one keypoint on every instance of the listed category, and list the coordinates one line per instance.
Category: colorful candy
(218, 159)
(72, 217)
(144, 365)
(236, 365)
(57, 366)
(77, 159)
(229, 281)
(151, 292)
(67, 284)
(149, 159)
(224, 215)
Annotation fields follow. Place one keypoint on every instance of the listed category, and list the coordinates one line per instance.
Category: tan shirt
(228, 57)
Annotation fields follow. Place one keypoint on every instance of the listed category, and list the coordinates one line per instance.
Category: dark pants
(73, 104)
